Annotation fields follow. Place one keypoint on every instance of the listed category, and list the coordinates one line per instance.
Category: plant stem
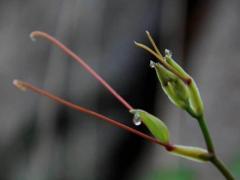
(222, 168)
(215, 161)
(27, 86)
(70, 53)
(206, 134)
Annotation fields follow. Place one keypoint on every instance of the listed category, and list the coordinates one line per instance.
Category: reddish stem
(75, 57)
(24, 86)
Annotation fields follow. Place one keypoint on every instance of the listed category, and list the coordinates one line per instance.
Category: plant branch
(27, 86)
(215, 161)
(206, 134)
(75, 57)
(222, 168)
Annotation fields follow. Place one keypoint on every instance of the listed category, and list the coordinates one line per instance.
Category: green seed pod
(191, 153)
(195, 100)
(154, 125)
(174, 87)
(196, 107)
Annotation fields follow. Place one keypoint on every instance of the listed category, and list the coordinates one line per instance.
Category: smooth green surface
(174, 87)
(154, 125)
(192, 153)
(176, 66)
(195, 99)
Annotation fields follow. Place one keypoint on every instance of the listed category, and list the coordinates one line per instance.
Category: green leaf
(192, 153)
(154, 125)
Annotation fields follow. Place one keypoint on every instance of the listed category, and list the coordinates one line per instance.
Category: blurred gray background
(41, 140)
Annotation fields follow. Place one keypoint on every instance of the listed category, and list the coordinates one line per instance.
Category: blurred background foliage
(172, 174)
(40, 140)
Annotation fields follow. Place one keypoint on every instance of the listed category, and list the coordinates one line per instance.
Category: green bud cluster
(184, 94)
(182, 91)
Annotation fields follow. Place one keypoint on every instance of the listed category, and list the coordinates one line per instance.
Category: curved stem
(222, 168)
(206, 134)
(27, 86)
(75, 57)
(215, 161)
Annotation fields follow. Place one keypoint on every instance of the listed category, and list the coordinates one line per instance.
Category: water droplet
(137, 120)
(152, 64)
(168, 53)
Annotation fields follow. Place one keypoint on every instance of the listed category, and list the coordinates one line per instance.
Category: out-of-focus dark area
(41, 140)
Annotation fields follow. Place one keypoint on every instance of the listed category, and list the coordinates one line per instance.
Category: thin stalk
(206, 134)
(27, 86)
(154, 45)
(214, 160)
(75, 57)
(222, 168)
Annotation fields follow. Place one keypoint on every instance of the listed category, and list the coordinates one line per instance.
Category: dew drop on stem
(152, 64)
(168, 53)
(137, 120)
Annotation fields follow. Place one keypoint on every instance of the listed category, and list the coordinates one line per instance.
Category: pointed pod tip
(19, 85)
(135, 42)
(32, 36)
(138, 44)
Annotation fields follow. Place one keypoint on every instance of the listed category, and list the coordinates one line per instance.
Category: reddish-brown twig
(75, 57)
(27, 86)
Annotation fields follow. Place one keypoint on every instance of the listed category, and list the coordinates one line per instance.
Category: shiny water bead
(168, 53)
(137, 120)
(152, 64)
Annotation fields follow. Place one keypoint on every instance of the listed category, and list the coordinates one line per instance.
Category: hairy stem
(75, 57)
(27, 86)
